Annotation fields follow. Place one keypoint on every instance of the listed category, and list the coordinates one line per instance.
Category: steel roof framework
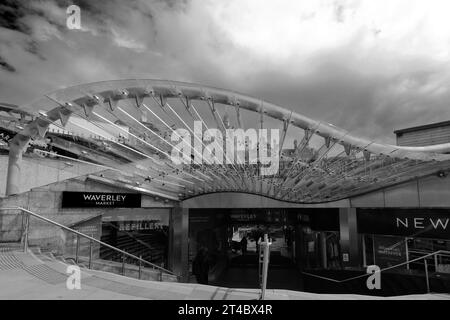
(342, 165)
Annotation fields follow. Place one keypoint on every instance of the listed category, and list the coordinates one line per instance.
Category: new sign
(100, 199)
(425, 223)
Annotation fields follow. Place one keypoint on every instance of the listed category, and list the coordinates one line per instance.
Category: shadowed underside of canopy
(125, 128)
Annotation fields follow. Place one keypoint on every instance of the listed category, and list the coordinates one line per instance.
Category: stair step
(10, 246)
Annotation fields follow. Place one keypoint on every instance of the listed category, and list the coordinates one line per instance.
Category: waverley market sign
(99, 199)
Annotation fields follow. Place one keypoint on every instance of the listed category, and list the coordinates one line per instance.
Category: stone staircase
(9, 251)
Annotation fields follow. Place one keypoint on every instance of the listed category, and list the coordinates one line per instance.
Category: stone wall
(36, 171)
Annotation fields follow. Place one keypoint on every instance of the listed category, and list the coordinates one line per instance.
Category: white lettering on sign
(404, 223)
(416, 223)
(439, 221)
(102, 197)
(389, 251)
(419, 223)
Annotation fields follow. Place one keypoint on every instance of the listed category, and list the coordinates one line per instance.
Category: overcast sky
(366, 66)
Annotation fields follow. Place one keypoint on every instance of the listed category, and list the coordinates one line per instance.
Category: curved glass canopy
(128, 128)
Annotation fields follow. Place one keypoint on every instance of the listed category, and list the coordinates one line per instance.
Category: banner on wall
(389, 251)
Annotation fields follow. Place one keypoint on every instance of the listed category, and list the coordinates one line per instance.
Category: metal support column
(349, 237)
(14, 162)
(178, 242)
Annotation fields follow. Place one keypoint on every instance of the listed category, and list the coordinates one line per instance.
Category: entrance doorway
(231, 237)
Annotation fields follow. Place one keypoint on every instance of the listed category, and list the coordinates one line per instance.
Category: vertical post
(426, 275)
(266, 250)
(140, 267)
(407, 253)
(435, 262)
(77, 249)
(90, 254)
(25, 236)
(323, 249)
(364, 250)
(373, 249)
(178, 242)
(293, 250)
(260, 261)
(160, 275)
(123, 264)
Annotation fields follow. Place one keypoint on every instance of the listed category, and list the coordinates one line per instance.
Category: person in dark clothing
(200, 266)
(244, 245)
(257, 235)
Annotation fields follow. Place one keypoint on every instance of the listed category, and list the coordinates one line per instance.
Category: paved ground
(26, 276)
(243, 273)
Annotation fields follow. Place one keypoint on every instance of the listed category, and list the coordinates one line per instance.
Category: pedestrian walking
(200, 266)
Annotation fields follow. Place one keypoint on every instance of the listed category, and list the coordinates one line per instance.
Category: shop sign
(426, 223)
(101, 200)
(139, 225)
(243, 217)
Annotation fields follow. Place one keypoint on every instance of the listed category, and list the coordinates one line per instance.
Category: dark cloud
(6, 66)
(354, 77)
(10, 13)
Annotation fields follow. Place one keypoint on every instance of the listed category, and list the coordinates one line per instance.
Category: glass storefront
(396, 236)
(317, 239)
(141, 232)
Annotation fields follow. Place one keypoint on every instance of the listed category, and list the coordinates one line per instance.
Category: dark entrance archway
(301, 239)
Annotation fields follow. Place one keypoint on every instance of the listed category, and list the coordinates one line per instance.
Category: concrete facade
(431, 191)
(429, 134)
(36, 172)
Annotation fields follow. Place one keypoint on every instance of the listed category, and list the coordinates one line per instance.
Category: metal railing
(433, 255)
(141, 262)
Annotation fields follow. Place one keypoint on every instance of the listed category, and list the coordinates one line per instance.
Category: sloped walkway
(27, 276)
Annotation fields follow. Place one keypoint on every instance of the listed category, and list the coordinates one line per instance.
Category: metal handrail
(440, 252)
(423, 251)
(154, 266)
